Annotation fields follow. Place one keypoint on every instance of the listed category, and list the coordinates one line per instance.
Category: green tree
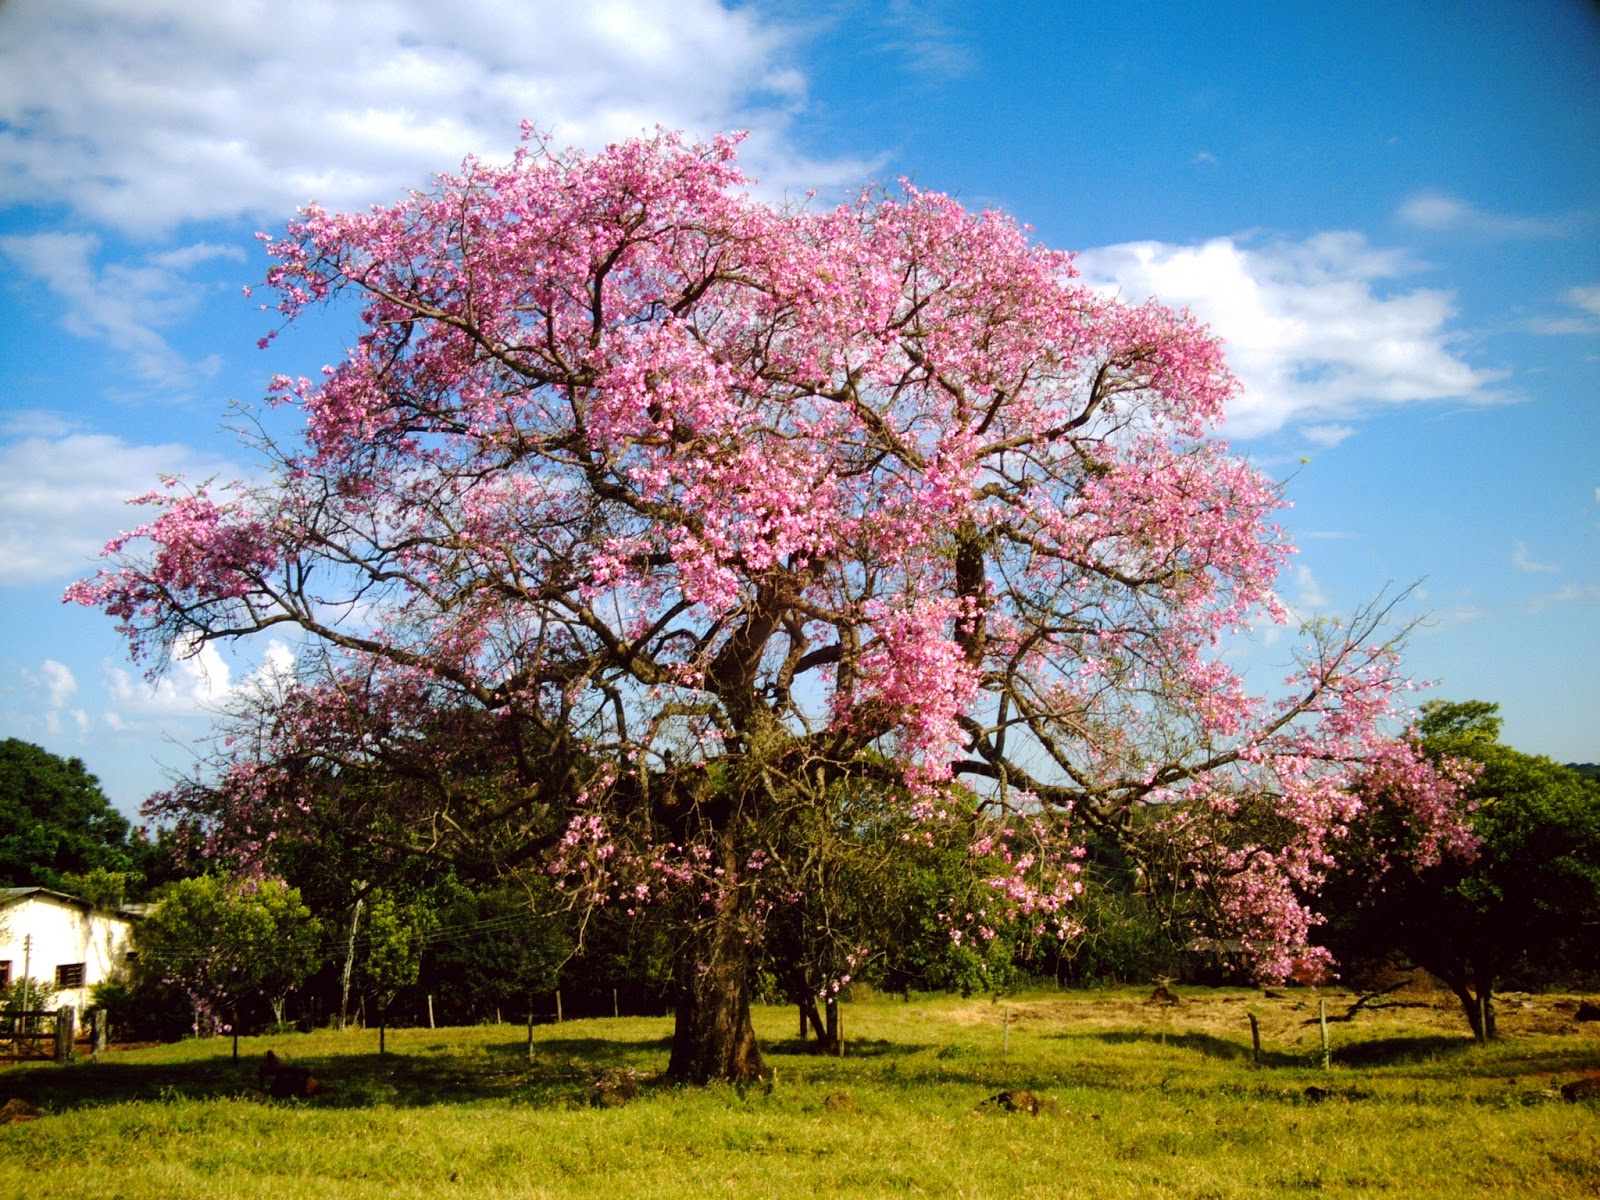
(55, 822)
(1525, 902)
(224, 941)
(492, 949)
(395, 936)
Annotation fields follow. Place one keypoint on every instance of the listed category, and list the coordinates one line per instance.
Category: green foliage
(142, 1008)
(394, 938)
(1524, 908)
(100, 887)
(1459, 726)
(35, 997)
(491, 950)
(223, 940)
(55, 821)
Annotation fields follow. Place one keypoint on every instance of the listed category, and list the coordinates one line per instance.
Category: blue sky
(1390, 211)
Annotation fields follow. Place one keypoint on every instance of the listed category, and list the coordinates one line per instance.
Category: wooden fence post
(66, 1029)
(1255, 1041)
(1327, 1049)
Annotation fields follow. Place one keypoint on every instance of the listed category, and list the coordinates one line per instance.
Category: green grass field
(1144, 1101)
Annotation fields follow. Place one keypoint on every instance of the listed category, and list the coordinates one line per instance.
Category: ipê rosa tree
(681, 511)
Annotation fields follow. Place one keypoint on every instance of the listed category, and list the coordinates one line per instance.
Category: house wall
(64, 932)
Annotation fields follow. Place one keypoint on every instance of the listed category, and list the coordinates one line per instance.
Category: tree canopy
(55, 822)
(1522, 896)
(225, 941)
(645, 517)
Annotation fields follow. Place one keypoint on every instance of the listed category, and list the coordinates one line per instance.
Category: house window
(69, 975)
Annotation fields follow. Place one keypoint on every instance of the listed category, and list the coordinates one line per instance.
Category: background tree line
(346, 927)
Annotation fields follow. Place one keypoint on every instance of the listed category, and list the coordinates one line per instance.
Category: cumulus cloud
(196, 683)
(54, 686)
(1313, 329)
(1439, 212)
(125, 304)
(55, 516)
(142, 116)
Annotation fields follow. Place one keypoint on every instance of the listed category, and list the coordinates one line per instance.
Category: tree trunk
(827, 1033)
(1477, 1004)
(712, 1037)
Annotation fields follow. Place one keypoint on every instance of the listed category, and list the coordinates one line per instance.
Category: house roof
(11, 895)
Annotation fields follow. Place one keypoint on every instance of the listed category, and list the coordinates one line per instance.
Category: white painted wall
(64, 930)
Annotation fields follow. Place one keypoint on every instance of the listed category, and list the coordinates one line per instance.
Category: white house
(61, 940)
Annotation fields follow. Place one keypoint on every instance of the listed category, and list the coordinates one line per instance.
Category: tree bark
(1477, 1004)
(712, 1036)
(827, 1033)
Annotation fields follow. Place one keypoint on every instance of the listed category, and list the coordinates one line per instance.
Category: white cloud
(1586, 298)
(143, 115)
(1311, 596)
(1520, 560)
(196, 683)
(1308, 330)
(1570, 594)
(1438, 212)
(1448, 618)
(927, 39)
(59, 680)
(1587, 320)
(122, 303)
(53, 687)
(1328, 435)
(56, 515)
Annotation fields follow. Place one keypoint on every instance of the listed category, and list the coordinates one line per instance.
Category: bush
(39, 996)
(144, 1010)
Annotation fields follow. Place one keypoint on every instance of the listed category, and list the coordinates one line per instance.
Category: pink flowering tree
(687, 512)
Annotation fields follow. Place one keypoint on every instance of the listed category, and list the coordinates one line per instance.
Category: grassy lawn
(1143, 1101)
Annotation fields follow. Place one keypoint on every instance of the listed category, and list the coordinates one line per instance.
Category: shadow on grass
(558, 1073)
(1377, 1052)
(1393, 1051)
(1205, 1044)
(864, 1048)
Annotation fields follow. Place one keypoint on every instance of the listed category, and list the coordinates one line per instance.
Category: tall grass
(1144, 1101)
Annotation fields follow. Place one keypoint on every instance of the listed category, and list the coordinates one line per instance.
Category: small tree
(395, 936)
(494, 950)
(1521, 894)
(225, 940)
